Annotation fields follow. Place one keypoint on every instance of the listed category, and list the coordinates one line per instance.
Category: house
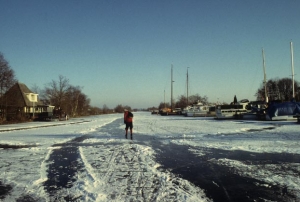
(20, 101)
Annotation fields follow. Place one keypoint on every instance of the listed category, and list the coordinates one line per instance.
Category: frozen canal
(169, 158)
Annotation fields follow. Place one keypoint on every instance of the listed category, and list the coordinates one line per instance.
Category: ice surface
(89, 159)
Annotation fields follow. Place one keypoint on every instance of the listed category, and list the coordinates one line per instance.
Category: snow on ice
(169, 158)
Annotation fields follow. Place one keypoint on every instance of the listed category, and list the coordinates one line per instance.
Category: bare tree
(7, 75)
(105, 109)
(69, 98)
(36, 89)
(55, 92)
(164, 105)
(95, 111)
(181, 103)
(279, 89)
(72, 99)
(83, 105)
(7, 80)
(195, 98)
(285, 89)
(120, 108)
(273, 91)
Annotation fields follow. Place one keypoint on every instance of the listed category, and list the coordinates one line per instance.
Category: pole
(165, 98)
(172, 87)
(292, 64)
(187, 86)
(265, 77)
(32, 109)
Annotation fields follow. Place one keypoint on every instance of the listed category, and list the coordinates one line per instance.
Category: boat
(256, 111)
(297, 116)
(233, 110)
(155, 111)
(186, 109)
(198, 109)
(169, 111)
(285, 110)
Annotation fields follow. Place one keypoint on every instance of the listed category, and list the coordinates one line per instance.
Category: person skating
(128, 117)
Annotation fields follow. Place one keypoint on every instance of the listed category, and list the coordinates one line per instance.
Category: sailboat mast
(292, 64)
(172, 87)
(265, 77)
(187, 86)
(165, 98)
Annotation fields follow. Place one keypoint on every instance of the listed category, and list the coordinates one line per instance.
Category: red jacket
(126, 117)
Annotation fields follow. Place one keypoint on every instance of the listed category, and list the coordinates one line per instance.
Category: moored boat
(256, 111)
(283, 111)
(197, 109)
(232, 111)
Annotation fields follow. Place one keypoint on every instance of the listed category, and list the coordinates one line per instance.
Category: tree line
(61, 93)
(279, 90)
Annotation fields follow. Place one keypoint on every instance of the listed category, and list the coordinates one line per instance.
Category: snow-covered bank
(109, 167)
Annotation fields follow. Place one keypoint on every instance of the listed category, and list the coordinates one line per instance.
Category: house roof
(25, 90)
(16, 96)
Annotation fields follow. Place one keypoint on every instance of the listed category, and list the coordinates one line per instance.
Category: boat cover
(283, 109)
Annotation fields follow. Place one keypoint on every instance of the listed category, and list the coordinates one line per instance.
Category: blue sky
(121, 51)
